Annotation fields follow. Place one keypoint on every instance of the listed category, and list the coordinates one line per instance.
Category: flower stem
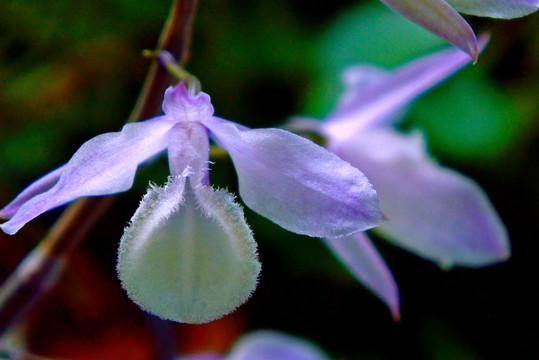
(176, 70)
(41, 268)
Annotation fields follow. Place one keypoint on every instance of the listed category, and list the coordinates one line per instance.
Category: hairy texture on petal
(37, 187)
(183, 106)
(296, 183)
(189, 146)
(363, 261)
(440, 18)
(272, 345)
(432, 211)
(192, 264)
(103, 165)
(374, 97)
(503, 9)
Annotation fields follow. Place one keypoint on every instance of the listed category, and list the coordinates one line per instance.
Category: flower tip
(483, 40)
(446, 266)
(10, 230)
(481, 43)
(503, 254)
(467, 42)
(497, 250)
(396, 315)
(473, 51)
(393, 303)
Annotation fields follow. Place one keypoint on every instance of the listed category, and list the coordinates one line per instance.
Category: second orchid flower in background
(431, 211)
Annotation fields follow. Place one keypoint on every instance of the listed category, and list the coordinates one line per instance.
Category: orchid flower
(266, 345)
(441, 17)
(188, 255)
(431, 211)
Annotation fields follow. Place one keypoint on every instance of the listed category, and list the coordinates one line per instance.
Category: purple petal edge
(432, 211)
(37, 187)
(377, 103)
(105, 164)
(440, 18)
(360, 257)
(297, 184)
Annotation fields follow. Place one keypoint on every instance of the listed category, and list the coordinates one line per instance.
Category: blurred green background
(70, 70)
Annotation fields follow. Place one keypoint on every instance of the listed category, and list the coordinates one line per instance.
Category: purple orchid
(188, 255)
(441, 16)
(266, 345)
(432, 211)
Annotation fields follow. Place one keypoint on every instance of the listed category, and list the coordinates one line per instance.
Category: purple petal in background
(432, 211)
(103, 165)
(440, 18)
(374, 102)
(362, 260)
(271, 345)
(504, 9)
(296, 183)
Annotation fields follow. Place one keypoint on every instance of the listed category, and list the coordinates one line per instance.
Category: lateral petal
(37, 187)
(191, 264)
(432, 211)
(103, 165)
(502, 9)
(296, 183)
(272, 345)
(441, 19)
(374, 97)
(360, 257)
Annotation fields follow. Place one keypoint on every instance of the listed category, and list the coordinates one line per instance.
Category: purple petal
(440, 18)
(103, 165)
(190, 260)
(432, 211)
(376, 101)
(271, 345)
(362, 260)
(37, 187)
(296, 183)
(504, 9)
(183, 106)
